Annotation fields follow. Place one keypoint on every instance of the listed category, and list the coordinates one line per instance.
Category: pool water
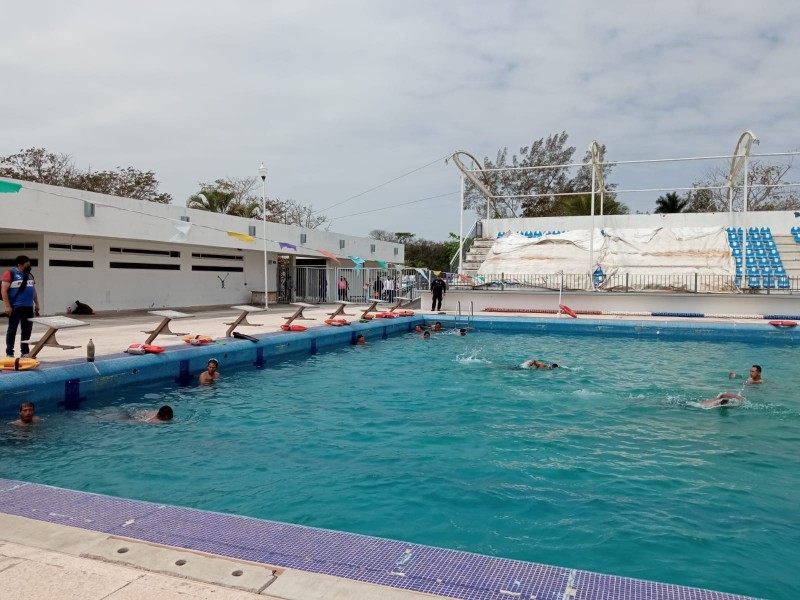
(607, 465)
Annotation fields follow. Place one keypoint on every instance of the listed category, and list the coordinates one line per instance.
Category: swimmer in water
(160, 416)
(723, 399)
(535, 364)
(210, 375)
(755, 375)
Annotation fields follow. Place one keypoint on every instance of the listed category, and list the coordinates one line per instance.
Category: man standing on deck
(18, 290)
(438, 290)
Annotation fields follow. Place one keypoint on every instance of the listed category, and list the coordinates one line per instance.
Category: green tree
(40, 166)
(421, 253)
(507, 178)
(244, 201)
(216, 201)
(671, 203)
(581, 204)
(700, 201)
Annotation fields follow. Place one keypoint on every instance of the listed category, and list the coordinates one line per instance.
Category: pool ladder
(468, 316)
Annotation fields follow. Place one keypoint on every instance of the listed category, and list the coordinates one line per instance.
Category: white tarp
(685, 258)
(543, 257)
(682, 258)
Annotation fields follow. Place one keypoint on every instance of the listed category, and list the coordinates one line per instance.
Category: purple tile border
(361, 558)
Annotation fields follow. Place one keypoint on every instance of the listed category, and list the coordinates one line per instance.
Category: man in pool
(426, 335)
(462, 331)
(210, 374)
(755, 375)
(535, 364)
(437, 326)
(160, 416)
(26, 415)
(724, 399)
(361, 340)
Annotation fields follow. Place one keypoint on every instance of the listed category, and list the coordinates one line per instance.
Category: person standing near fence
(388, 288)
(438, 290)
(343, 288)
(18, 289)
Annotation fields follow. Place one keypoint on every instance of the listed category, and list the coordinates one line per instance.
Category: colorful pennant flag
(381, 263)
(421, 272)
(287, 245)
(329, 255)
(6, 187)
(242, 236)
(359, 262)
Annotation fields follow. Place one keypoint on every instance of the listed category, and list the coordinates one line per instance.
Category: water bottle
(90, 351)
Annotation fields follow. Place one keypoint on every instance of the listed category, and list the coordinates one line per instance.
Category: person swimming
(535, 364)
(724, 399)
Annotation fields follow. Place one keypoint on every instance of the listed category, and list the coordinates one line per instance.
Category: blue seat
(738, 271)
(783, 282)
(754, 282)
(738, 260)
(779, 270)
(737, 252)
(769, 282)
(738, 281)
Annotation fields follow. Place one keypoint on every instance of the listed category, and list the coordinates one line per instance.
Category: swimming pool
(605, 465)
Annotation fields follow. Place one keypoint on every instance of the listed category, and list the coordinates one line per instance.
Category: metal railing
(661, 283)
(316, 284)
(475, 231)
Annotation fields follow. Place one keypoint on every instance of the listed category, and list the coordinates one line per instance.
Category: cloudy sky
(339, 97)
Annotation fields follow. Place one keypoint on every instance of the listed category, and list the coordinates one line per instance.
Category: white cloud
(338, 97)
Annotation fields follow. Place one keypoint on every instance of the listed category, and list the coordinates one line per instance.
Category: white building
(117, 253)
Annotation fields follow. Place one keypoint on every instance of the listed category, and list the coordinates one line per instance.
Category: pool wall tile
(358, 557)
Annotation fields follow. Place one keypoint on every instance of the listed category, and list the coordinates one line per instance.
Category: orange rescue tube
(568, 310)
(197, 340)
(783, 323)
(10, 363)
(286, 327)
(405, 313)
(385, 315)
(336, 322)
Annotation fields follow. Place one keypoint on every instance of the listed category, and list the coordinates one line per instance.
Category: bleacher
(532, 234)
(760, 264)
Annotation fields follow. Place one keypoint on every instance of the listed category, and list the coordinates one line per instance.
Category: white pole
(591, 235)
(263, 172)
(744, 222)
(461, 230)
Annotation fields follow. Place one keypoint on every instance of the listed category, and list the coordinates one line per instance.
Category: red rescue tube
(783, 324)
(286, 327)
(568, 310)
(336, 322)
(385, 315)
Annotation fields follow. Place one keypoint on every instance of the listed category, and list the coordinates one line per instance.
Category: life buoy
(144, 349)
(10, 363)
(368, 316)
(336, 322)
(286, 327)
(566, 309)
(783, 324)
(197, 340)
(385, 315)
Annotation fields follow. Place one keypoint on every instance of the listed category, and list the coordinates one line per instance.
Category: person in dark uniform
(438, 290)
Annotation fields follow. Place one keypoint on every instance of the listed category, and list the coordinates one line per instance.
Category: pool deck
(43, 556)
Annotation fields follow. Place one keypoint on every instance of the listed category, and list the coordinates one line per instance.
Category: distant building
(117, 253)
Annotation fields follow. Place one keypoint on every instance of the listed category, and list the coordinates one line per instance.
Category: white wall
(729, 304)
(49, 215)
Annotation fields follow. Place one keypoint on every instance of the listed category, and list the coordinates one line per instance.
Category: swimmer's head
(164, 413)
(554, 366)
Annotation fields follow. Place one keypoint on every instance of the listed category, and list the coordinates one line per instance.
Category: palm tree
(215, 201)
(581, 204)
(671, 203)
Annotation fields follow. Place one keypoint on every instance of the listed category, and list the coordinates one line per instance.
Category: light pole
(262, 172)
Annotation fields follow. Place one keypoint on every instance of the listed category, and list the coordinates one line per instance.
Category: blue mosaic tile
(379, 561)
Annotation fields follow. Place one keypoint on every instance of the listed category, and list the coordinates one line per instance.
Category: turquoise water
(607, 465)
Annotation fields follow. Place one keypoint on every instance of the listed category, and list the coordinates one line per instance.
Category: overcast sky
(340, 96)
